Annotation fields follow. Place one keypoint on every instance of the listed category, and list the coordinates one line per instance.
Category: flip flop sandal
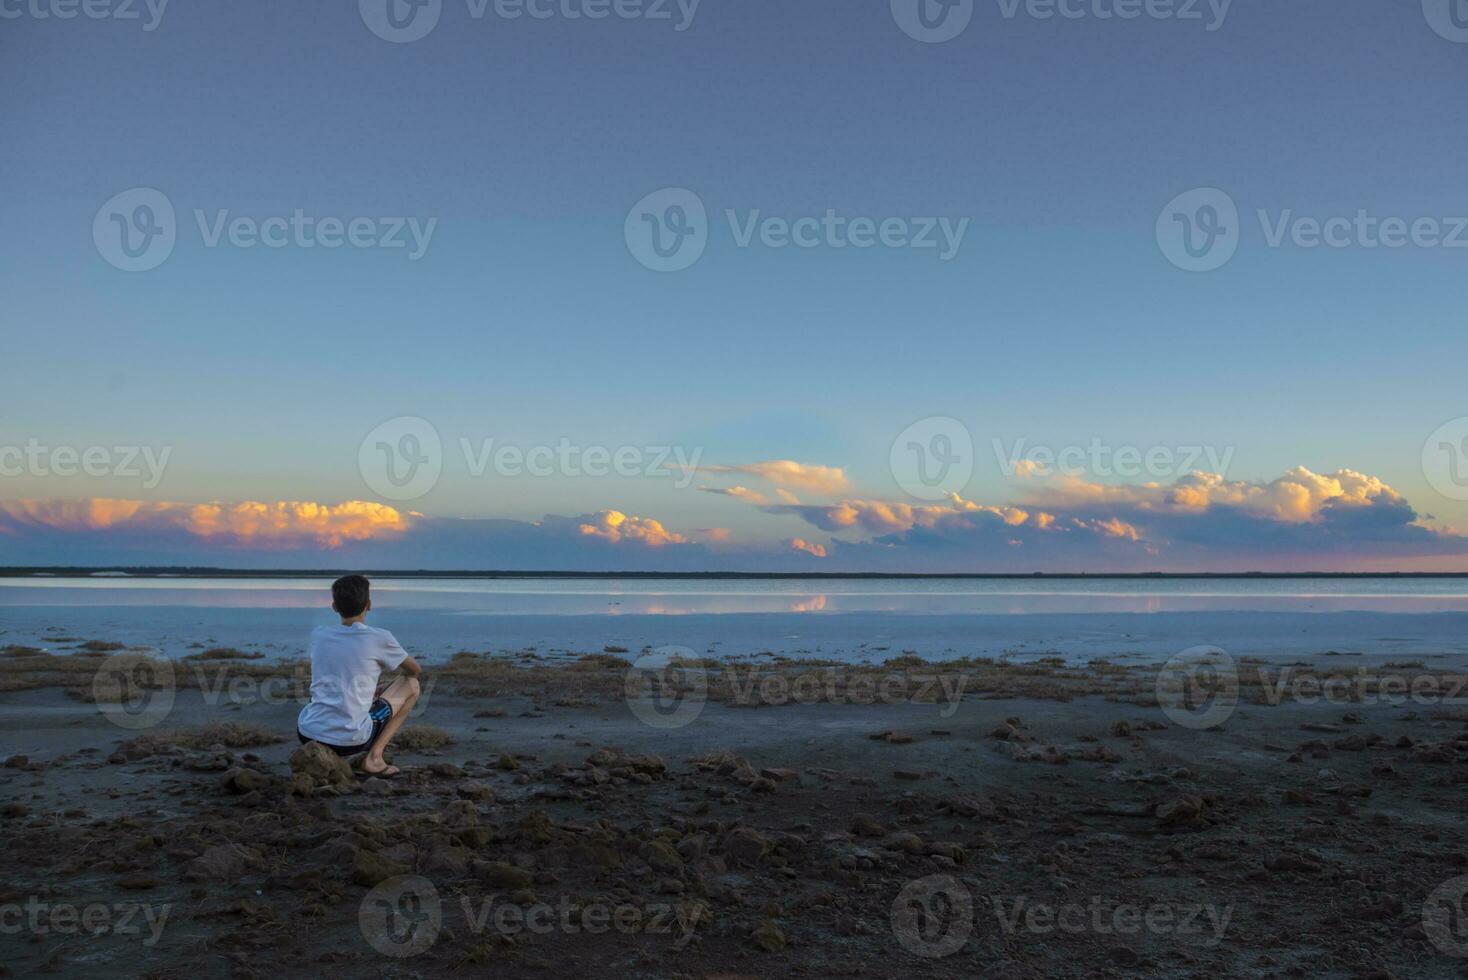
(391, 772)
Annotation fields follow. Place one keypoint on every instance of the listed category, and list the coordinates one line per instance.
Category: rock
(661, 856)
(507, 763)
(1286, 861)
(138, 882)
(500, 875)
(780, 775)
(693, 847)
(945, 849)
(222, 861)
(863, 825)
(768, 937)
(240, 780)
(377, 787)
(321, 765)
(370, 868)
(763, 785)
(301, 784)
(1185, 811)
(447, 770)
(911, 775)
(17, 762)
(474, 790)
(452, 861)
(13, 809)
(747, 846)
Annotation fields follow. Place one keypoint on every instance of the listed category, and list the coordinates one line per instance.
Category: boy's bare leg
(402, 694)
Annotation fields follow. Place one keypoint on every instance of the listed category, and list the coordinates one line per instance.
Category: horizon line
(209, 571)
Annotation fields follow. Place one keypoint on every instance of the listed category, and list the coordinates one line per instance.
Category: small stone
(370, 868)
(503, 876)
(240, 780)
(768, 937)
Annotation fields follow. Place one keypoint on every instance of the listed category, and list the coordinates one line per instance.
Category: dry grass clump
(420, 737)
(602, 661)
(102, 646)
(225, 653)
(229, 734)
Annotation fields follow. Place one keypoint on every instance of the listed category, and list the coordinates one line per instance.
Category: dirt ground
(553, 818)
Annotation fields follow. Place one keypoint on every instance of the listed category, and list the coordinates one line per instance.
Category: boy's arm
(410, 667)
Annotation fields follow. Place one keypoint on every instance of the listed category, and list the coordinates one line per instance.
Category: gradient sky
(528, 319)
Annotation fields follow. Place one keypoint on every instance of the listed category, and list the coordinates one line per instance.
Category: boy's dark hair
(349, 595)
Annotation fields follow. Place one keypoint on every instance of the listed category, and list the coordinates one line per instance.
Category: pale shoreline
(850, 637)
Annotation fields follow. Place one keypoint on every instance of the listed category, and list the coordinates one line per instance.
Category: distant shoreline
(109, 571)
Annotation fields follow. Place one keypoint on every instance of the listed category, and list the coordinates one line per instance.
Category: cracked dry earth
(1014, 838)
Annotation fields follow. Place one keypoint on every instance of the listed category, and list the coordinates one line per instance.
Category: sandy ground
(1045, 822)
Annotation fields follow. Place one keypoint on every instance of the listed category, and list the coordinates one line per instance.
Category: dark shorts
(380, 712)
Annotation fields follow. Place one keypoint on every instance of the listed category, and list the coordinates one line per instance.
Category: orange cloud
(809, 547)
(1297, 497)
(278, 524)
(828, 481)
(616, 527)
(739, 493)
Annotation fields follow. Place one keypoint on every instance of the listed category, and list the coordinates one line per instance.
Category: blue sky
(528, 319)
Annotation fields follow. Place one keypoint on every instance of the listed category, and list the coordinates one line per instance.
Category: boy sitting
(347, 713)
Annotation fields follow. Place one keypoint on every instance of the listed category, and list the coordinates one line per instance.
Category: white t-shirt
(346, 662)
